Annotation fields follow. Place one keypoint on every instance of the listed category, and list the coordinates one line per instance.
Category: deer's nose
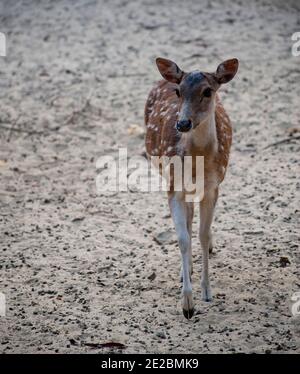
(184, 126)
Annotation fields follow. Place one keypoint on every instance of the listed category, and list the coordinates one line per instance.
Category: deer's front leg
(180, 217)
(207, 206)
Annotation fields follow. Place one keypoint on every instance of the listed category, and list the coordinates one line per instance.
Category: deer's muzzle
(184, 125)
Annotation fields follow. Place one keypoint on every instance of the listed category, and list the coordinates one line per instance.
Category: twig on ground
(282, 141)
(104, 345)
(80, 111)
(29, 132)
(77, 112)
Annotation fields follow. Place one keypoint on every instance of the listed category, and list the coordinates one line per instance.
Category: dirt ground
(78, 267)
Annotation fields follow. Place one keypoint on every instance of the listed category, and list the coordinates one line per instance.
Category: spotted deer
(184, 117)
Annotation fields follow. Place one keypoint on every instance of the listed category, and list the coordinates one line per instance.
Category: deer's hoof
(211, 248)
(206, 294)
(188, 313)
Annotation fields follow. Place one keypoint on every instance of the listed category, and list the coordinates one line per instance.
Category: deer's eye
(207, 92)
(177, 92)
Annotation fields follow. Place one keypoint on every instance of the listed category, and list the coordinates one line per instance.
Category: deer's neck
(203, 139)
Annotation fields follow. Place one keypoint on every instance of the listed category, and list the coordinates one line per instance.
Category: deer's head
(196, 90)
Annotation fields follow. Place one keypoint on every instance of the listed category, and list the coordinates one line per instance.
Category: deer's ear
(169, 70)
(227, 70)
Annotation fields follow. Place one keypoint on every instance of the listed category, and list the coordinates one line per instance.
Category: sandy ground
(77, 267)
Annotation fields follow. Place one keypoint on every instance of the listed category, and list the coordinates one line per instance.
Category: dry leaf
(135, 130)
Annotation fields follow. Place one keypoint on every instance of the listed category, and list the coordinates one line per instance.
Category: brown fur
(162, 138)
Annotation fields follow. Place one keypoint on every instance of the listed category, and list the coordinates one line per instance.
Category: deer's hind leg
(211, 240)
(207, 206)
(180, 214)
